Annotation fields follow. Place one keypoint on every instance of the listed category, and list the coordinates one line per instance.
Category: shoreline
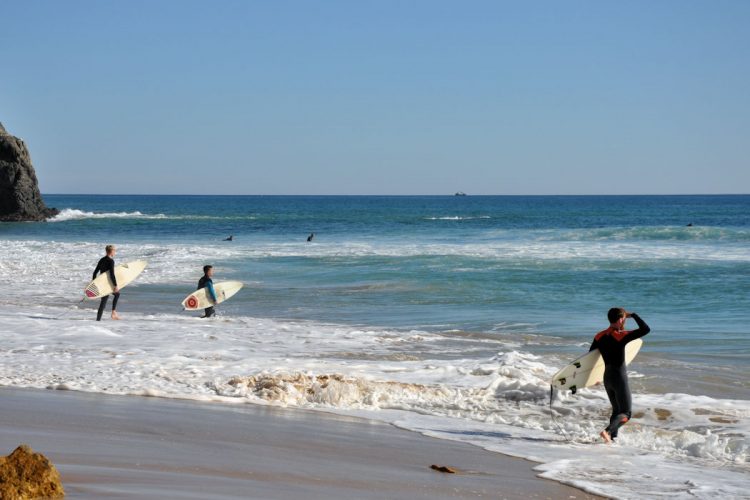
(108, 446)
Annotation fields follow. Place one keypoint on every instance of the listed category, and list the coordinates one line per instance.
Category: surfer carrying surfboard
(611, 344)
(107, 265)
(208, 283)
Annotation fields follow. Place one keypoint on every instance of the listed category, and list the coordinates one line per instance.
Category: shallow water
(446, 315)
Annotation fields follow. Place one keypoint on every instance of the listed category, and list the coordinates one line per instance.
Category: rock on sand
(25, 474)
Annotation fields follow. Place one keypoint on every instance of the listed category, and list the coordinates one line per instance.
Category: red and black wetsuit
(106, 265)
(611, 344)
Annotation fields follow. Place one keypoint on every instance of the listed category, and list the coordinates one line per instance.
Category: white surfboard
(101, 286)
(200, 298)
(588, 370)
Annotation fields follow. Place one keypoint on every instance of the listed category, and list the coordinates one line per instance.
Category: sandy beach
(136, 447)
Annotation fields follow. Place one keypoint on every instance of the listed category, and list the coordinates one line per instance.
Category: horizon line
(465, 195)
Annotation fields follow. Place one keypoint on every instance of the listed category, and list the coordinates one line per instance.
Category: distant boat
(460, 193)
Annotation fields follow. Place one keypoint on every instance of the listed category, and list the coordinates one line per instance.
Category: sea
(445, 315)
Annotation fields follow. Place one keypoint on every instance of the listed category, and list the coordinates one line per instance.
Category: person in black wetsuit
(207, 282)
(107, 265)
(611, 344)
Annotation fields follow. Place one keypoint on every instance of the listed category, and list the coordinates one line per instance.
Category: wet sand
(138, 447)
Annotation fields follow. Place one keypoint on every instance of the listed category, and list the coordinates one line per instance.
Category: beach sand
(138, 447)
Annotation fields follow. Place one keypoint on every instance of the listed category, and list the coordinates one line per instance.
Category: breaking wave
(75, 214)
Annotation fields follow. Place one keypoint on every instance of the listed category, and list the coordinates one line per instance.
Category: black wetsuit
(205, 281)
(106, 265)
(611, 344)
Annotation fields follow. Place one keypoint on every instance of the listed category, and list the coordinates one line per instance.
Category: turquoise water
(489, 265)
(443, 315)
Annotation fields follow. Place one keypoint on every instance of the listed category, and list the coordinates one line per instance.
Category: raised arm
(642, 330)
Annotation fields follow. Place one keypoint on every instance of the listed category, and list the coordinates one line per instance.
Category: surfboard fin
(551, 395)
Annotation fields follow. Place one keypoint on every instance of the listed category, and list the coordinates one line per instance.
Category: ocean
(446, 315)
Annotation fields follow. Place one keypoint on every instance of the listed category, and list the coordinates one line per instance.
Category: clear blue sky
(381, 97)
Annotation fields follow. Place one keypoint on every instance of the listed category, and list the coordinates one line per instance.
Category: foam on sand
(180, 449)
(677, 445)
(485, 388)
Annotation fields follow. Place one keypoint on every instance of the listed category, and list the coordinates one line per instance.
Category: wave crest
(459, 217)
(75, 214)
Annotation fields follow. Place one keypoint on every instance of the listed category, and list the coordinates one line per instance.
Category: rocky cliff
(20, 199)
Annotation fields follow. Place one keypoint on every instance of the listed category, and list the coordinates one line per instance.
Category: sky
(380, 97)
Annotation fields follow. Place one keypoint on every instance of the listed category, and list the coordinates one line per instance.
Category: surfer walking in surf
(611, 344)
(107, 265)
(207, 282)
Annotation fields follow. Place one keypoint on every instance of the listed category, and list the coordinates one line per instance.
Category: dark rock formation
(26, 475)
(20, 199)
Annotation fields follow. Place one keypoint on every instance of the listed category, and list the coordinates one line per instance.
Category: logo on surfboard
(191, 302)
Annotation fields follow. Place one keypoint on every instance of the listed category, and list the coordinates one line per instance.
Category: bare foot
(606, 437)
(115, 316)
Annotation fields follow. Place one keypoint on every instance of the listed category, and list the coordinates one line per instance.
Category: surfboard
(101, 286)
(588, 370)
(200, 298)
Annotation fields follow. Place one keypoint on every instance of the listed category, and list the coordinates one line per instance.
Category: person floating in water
(611, 344)
(107, 265)
(310, 238)
(231, 237)
(207, 282)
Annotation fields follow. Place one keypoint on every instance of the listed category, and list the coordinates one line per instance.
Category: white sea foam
(677, 445)
(61, 269)
(58, 270)
(73, 214)
(459, 217)
(69, 214)
(636, 234)
(74, 256)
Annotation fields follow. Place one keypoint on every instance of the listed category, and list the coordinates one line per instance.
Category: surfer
(611, 344)
(230, 238)
(107, 265)
(207, 282)
(310, 238)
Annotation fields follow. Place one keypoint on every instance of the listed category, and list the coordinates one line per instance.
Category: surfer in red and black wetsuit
(107, 265)
(611, 344)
